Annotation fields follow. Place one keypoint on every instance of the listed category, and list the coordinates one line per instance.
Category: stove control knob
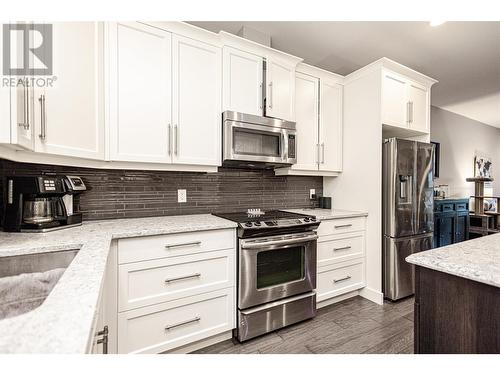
(248, 224)
(313, 219)
(257, 224)
(306, 219)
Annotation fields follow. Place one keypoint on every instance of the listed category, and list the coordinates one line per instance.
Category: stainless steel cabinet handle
(193, 320)
(169, 139)
(342, 279)
(176, 136)
(317, 153)
(27, 108)
(261, 99)
(323, 153)
(270, 95)
(411, 112)
(25, 123)
(182, 244)
(104, 340)
(194, 275)
(343, 226)
(408, 112)
(341, 248)
(43, 119)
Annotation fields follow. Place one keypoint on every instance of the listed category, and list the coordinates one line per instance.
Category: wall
(460, 138)
(120, 193)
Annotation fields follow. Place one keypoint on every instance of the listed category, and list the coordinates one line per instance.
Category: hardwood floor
(352, 326)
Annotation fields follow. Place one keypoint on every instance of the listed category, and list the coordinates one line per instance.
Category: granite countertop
(328, 214)
(63, 323)
(477, 259)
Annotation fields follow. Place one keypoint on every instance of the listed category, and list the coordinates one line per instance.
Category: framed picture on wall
(437, 154)
(483, 166)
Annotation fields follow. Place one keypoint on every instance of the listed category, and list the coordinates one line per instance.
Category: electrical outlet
(312, 193)
(181, 196)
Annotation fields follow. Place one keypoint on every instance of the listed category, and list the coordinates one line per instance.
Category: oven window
(277, 267)
(248, 142)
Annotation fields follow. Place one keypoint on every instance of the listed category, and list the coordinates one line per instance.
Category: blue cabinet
(451, 221)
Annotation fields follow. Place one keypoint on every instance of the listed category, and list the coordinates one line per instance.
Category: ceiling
(463, 56)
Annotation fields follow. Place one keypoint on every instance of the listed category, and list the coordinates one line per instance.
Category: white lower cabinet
(162, 327)
(341, 248)
(343, 278)
(174, 290)
(341, 258)
(154, 281)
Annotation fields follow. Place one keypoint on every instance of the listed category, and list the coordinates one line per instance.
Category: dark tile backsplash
(125, 193)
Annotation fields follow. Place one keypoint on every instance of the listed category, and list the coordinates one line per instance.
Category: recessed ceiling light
(436, 23)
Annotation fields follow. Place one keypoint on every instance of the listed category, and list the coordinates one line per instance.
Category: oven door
(272, 268)
(245, 142)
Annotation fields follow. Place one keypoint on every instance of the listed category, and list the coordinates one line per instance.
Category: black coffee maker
(40, 204)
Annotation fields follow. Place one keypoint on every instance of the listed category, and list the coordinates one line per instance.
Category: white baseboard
(201, 344)
(372, 295)
(333, 300)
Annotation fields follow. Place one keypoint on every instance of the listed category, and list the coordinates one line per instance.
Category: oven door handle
(275, 243)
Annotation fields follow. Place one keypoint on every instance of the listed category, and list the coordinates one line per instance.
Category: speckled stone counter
(327, 214)
(477, 259)
(63, 323)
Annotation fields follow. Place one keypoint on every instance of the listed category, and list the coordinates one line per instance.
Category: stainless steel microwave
(256, 141)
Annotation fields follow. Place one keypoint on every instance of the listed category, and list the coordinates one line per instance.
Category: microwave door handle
(284, 138)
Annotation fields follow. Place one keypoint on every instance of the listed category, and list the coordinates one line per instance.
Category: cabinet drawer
(161, 280)
(446, 207)
(343, 278)
(170, 245)
(461, 207)
(341, 248)
(162, 327)
(339, 226)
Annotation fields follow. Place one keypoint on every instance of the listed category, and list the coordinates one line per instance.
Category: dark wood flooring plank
(359, 342)
(355, 325)
(396, 344)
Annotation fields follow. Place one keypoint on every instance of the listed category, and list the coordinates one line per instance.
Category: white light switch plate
(311, 193)
(181, 196)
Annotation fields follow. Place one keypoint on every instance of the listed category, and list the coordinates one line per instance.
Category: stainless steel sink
(27, 280)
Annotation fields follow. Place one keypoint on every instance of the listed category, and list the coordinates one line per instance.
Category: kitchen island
(457, 298)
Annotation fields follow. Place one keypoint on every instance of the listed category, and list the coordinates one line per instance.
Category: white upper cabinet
(319, 122)
(196, 102)
(419, 107)
(251, 87)
(22, 119)
(405, 103)
(69, 116)
(394, 100)
(165, 97)
(16, 103)
(306, 117)
(242, 81)
(330, 125)
(140, 93)
(4, 108)
(280, 89)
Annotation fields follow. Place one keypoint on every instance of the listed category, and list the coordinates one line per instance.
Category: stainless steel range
(276, 270)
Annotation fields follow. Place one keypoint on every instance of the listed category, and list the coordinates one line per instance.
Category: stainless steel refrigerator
(408, 221)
